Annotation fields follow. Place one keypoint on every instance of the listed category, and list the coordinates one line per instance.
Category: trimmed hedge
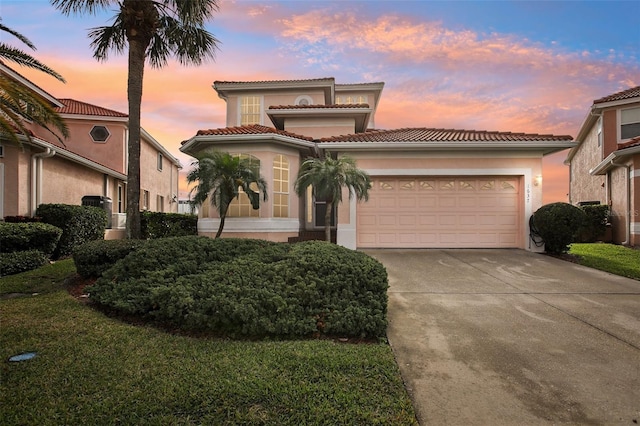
(95, 257)
(21, 261)
(23, 236)
(595, 224)
(79, 224)
(163, 225)
(243, 287)
(558, 224)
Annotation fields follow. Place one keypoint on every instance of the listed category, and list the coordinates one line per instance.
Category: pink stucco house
(605, 165)
(431, 187)
(92, 162)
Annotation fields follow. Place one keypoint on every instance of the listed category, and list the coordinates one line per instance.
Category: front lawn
(91, 369)
(611, 258)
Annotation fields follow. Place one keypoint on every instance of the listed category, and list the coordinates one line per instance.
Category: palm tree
(19, 103)
(223, 177)
(328, 176)
(154, 30)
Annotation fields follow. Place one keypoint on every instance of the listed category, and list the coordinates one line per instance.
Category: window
(99, 134)
(629, 123)
(359, 99)
(280, 186)
(600, 131)
(250, 110)
(241, 206)
(1, 151)
(160, 161)
(145, 200)
(160, 201)
(120, 199)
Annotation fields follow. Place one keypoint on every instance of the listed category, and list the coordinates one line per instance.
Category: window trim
(242, 200)
(160, 161)
(260, 109)
(145, 200)
(283, 165)
(619, 124)
(102, 126)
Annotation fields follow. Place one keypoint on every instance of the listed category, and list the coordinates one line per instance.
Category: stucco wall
(66, 182)
(110, 153)
(619, 207)
(158, 182)
(266, 154)
(583, 186)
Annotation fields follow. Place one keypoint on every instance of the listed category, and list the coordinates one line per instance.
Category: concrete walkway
(508, 337)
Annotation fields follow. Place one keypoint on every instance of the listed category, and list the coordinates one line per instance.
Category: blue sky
(488, 65)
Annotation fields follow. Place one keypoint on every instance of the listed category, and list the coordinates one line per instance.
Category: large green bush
(79, 224)
(163, 225)
(595, 224)
(29, 236)
(249, 287)
(95, 257)
(21, 261)
(558, 225)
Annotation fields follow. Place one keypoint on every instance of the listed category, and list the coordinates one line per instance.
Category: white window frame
(282, 164)
(242, 114)
(160, 161)
(303, 98)
(620, 123)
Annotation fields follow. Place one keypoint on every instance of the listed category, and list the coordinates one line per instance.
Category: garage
(441, 212)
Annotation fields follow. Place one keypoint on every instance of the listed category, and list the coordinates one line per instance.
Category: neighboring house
(605, 165)
(92, 162)
(431, 187)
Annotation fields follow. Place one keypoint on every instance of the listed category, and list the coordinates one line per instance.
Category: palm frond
(70, 7)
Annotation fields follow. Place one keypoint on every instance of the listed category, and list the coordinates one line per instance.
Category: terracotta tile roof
(442, 135)
(316, 106)
(273, 81)
(633, 92)
(72, 106)
(630, 143)
(254, 129)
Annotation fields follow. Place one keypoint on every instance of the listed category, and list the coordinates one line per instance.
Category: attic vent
(304, 100)
(99, 133)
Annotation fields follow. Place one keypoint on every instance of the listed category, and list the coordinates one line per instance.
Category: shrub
(29, 236)
(79, 224)
(95, 257)
(595, 224)
(162, 225)
(250, 287)
(21, 219)
(558, 224)
(21, 261)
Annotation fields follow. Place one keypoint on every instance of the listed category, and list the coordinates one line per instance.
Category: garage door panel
(441, 212)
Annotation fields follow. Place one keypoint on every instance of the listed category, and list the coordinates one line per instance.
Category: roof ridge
(631, 92)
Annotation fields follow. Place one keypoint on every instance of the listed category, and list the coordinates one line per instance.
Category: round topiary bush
(558, 224)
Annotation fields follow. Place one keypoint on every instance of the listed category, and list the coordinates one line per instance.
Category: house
(431, 187)
(92, 162)
(605, 165)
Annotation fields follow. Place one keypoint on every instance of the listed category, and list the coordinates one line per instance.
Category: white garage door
(444, 212)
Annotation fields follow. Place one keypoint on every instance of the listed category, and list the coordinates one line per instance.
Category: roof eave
(361, 115)
(193, 145)
(157, 145)
(74, 157)
(22, 80)
(613, 160)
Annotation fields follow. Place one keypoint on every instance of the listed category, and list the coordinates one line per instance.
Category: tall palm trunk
(137, 51)
(327, 221)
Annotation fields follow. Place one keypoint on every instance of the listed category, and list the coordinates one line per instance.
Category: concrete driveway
(509, 337)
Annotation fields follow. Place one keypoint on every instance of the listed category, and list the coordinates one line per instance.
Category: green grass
(611, 258)
(91, 369)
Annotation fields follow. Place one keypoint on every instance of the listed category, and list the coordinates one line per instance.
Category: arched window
(241, 206)
(280, 186)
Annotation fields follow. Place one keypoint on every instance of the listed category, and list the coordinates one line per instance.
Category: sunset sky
(484, 65)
